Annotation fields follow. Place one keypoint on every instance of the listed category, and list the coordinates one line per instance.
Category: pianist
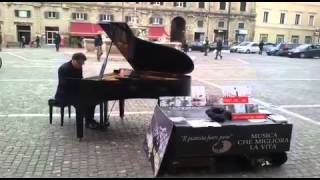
(67, 92)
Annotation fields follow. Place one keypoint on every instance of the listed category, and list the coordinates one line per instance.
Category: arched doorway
(178, 28)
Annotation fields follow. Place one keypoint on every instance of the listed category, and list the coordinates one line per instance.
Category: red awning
(156, 32)
(84, 29)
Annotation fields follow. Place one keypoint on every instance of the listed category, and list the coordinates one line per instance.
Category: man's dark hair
(79, 57)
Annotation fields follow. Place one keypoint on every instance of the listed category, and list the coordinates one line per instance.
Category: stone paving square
(31, 147)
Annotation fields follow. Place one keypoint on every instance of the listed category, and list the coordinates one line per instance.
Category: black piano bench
(53, 103)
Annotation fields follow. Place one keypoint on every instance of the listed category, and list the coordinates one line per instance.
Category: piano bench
(53, 103)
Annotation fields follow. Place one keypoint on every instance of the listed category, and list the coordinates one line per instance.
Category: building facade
(295, 22)
(181, 21)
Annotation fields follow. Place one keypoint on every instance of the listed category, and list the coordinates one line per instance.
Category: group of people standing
(218, 48)
(57, 41)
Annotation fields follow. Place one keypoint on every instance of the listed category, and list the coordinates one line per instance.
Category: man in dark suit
(57, 41)
(67, 91)
(219, 48)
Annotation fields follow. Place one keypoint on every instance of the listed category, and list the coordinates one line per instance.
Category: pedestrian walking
(206, 46)
(22, 41)
(57, 40)
(219, 48)
(38, 41)
(98, 45)
(0, 42)
(261, 44)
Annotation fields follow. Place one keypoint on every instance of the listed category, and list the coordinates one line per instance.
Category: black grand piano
(157, 71)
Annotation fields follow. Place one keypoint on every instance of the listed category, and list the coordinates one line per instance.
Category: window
(295, 39)
(264, 37)
(243, 6)
(280, 38)
(220, 24)
(180, 4)
(200, 24)
(157, 3)
(105, 17)
(201, 4)
(129, 19)
(241, 26)
(311, 20)
(308, 40)
(282, 18)
(156, 20)
(22, 13)
(265, 16)
(297, 20)
(51, 15)
(80, 16)
(222, 5)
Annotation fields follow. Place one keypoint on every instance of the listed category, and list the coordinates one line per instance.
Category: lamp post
(228, 23)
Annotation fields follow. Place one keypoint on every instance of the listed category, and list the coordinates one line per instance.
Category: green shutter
(74, 16)
(175, 4)
(161, 20)
(46, 15)
(184, 4)
(85, 16)
(151, 20)
(28, 14)
(57, 15)
(16, 12)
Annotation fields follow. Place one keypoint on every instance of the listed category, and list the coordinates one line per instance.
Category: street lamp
(228, 23)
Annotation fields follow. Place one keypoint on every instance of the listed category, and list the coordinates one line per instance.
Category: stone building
(296, 22)
(177, 21)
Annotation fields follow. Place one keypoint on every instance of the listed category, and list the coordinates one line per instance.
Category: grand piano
(157, 71)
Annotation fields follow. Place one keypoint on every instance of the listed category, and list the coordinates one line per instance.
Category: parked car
(199, 46)
(251, 47)
(268, 46)
(282, 49)
(235, 47)
(305, 51)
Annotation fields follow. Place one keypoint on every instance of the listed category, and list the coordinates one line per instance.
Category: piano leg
(121, 108)
(79, 121)
(101, 114)
(105, 114)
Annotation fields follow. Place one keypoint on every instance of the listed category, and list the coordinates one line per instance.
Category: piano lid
(147, 56)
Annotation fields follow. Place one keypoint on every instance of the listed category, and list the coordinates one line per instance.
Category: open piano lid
(147, 56)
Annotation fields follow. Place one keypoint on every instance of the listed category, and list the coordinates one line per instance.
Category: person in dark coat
(67, 91)
(219, 48)
(98, 45)
(206, 46)
(38, 41)
(57, 41)
(261, 44)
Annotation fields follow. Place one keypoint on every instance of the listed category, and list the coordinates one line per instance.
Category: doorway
(50, 32)
(24, 31)
(178, 28)
(199, 36)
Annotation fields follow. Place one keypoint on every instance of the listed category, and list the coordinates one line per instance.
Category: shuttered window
(51, 15)
(156, 20)
(22, 13)
(80, 16)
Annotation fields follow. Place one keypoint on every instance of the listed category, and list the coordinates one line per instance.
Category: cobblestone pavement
(31, 147)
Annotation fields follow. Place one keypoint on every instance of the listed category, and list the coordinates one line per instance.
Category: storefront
(50, 32)
(241, 35)
(79, 31)
(156, 33)
(220, 33)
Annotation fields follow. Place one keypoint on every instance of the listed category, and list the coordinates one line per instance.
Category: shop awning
(84, 29)
(156, 32)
